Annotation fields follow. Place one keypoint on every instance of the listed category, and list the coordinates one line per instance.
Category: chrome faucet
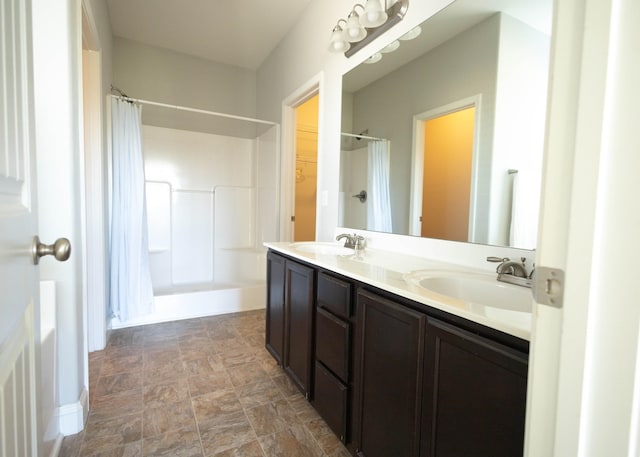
(354, 241)
(512, 271)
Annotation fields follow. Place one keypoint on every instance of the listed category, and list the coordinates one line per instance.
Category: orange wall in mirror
(448, 150)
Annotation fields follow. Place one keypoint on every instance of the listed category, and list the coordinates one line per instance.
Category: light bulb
(373, 15)
(338, 42)
(355, 32)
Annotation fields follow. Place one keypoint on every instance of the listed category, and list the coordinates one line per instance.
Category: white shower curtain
(379, 201)
(131, 289)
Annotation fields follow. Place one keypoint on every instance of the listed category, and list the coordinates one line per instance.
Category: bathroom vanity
(394, 368)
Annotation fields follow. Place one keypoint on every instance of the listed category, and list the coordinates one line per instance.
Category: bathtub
(240, 286)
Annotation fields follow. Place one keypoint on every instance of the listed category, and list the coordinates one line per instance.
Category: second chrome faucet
(512, 271)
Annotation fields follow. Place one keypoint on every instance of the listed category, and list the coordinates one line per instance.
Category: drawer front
(333, 343)
(334, 295)
(330, 400)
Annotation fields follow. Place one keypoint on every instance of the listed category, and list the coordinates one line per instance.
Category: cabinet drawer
(333, 343)
(334, 295)
(330, 401)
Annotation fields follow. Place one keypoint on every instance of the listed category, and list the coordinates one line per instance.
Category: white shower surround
(212, 202)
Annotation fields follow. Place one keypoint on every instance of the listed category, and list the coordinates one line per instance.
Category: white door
(19, 301)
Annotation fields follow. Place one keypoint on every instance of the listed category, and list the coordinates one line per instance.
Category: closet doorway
(306, 170)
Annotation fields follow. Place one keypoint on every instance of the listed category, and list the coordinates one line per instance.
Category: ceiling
(234, 32)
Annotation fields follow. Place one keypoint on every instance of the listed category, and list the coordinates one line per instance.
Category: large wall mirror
(443, 135)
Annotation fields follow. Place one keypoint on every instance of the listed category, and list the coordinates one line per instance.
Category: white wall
(103, 27)
(518, 141)
(267, 182)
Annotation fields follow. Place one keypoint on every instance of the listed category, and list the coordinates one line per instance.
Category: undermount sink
(322, 248)
(474, 288)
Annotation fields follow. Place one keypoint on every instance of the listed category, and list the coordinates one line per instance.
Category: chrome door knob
(61, 249)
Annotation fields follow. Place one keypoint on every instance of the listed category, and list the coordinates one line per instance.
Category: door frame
(417, 161)
(93, 221)
(312, 87)
(584, 371)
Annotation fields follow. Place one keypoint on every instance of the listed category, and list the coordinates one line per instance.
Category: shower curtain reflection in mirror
(131, 288)
(379, 201)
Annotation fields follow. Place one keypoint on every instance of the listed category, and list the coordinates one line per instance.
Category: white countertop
(387, 270)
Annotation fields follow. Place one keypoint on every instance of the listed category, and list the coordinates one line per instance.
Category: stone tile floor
(198, 387)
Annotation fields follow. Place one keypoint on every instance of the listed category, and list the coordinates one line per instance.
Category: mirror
(490, 56)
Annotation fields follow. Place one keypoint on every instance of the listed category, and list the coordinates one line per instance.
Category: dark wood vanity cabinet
(475, 395)
(289, 319)
(389, 386)
(392, 377)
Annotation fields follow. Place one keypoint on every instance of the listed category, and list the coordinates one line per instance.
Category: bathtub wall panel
(192, 237)
(234, 221)
(200, 199)
(159, 215)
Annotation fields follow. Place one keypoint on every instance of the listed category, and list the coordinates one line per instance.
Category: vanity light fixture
(339, 42)
(363, 27)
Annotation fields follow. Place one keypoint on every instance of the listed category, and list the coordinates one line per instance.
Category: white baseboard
(72, 415)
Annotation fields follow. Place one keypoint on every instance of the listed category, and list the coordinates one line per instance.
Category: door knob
(61, 249)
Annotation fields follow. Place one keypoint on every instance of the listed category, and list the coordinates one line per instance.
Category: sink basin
(323, 248)
(474, 288)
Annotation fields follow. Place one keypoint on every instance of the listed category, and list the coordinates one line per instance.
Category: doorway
(446, 184)
(444, 195)
(301, 112)
(306, 177)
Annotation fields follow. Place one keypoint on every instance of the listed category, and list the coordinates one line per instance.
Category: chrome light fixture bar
(394, 14)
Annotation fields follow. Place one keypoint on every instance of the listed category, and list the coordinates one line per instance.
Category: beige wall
(161, 75)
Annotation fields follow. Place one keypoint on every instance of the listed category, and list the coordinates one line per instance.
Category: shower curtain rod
(192, 110)
(363, 137)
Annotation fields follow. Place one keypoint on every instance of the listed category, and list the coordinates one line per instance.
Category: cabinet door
(275, 306)
(389, 377)
(477, 405)
(299, 304)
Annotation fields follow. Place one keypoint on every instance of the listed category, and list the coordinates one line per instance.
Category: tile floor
(198, 387)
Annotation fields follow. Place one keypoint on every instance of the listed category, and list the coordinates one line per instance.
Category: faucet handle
(497, 259)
